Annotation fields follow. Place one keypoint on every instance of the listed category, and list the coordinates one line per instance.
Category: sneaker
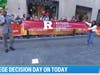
(11, 48)
(6, 51)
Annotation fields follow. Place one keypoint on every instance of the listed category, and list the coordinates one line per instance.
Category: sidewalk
(47, 38)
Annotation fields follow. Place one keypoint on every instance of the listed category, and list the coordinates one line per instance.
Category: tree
(3, 4)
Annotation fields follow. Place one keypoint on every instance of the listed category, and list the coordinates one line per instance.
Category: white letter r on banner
(48, 25)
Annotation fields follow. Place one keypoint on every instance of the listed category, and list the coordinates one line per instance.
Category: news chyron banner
(49, 70)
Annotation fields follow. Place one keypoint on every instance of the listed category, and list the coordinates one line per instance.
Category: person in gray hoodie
(7, 31)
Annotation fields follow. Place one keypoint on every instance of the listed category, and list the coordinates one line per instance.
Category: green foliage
(3, 3)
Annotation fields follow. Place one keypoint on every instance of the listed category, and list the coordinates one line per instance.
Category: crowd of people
(7, 20)
(46, 17)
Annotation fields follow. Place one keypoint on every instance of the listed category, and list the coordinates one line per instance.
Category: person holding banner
(92, 32)
(7, 31)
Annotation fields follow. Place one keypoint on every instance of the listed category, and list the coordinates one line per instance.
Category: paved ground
(53, 51)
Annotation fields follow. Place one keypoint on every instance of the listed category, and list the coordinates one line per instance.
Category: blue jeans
(91, 37)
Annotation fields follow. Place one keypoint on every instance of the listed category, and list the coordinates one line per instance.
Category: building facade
(59, 8)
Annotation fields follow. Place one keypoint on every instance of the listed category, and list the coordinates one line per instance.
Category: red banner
(16, 29)
(53, 27)
(35, 25)
(49, 28)
(98, 30)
